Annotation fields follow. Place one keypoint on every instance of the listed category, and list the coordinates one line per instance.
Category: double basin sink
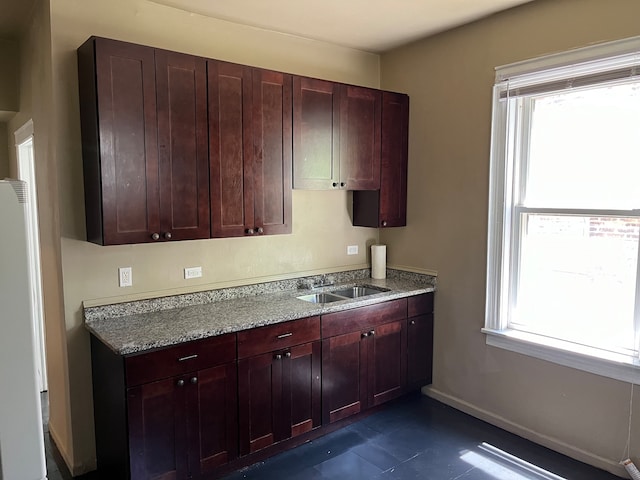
(356, 291)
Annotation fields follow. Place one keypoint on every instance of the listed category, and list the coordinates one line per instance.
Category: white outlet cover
(192, 272)
(352, 250)
(125, 276)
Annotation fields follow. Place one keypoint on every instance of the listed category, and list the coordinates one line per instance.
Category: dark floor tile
(347, 465)
(376, 455)
(413, 438)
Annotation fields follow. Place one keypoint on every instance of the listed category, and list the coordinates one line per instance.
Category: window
(564, 210)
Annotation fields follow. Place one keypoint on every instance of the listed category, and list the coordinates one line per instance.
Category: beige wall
(4, 151)
(449, 79)
(321, 223)
(9, 66)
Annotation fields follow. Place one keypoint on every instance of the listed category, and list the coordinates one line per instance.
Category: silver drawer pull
(190, 357)
(284, 335)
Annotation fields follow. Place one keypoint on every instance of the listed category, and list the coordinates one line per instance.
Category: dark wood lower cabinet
(183, 427)
(420, 350)
(198, 409)
(279, 395)
(387, 362)
(169, 414)
(367, 365)
(420, 340)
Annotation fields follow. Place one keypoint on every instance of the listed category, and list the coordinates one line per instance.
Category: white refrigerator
(22, 454)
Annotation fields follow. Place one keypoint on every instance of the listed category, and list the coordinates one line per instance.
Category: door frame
(25, 162)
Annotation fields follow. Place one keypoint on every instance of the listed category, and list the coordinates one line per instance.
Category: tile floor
(414, 438)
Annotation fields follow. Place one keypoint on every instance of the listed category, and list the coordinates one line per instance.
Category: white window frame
(501, 253)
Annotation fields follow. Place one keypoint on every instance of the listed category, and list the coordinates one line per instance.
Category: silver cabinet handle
(155, 236)
(250, 231)
(190, 357)
(365, 335)
(284, 335)
(194, 380)
(180, 383)
(288, 354)
(260, 230)
(168, 235)
(278, 356)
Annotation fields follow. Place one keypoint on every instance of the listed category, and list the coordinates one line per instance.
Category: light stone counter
(134, 327)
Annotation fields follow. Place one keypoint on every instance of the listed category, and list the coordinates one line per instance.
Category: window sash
(518, 214)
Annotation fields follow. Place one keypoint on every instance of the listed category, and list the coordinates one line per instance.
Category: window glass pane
(577, 279)
(584, 149)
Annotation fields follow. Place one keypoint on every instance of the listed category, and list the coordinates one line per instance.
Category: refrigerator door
(21, 435)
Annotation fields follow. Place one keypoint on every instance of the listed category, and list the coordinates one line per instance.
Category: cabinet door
(260, 402)
(118, 106)
(395, 153)
(272, 149)
(181, 84)
(360, 113)
(316, 123)
(387, 207)
(157, 430)
(302, 387)
(420, 350)
(230, 149)
(344, 376)
(387, 362)
(213, 418)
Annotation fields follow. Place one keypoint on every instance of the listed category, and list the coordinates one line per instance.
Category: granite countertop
(138, 326)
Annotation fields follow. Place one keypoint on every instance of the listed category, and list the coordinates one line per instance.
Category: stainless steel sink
(342, 294)
(359, 291)
(321, 298)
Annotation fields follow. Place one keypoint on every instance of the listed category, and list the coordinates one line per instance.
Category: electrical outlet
(192, 272)
(352, 250)
(126, 278)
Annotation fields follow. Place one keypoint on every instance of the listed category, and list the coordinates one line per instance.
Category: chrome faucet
(325, 281)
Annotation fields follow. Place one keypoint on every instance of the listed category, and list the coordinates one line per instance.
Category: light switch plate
(352, 250)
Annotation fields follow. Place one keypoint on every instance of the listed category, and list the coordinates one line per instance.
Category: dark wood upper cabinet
(272, 147)
(250, 150)
(143, 116)
(387, 207)
(230, 148)
(181, 86)
(360, 138)
(316, 136)
(119, 141)
(178, 147)
(336, 136)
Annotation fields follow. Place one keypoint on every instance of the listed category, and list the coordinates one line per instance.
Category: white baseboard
(536, 437)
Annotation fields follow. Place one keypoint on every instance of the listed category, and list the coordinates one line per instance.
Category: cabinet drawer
(347, 321)
(421, 304)
(274, 337)
(187, 357)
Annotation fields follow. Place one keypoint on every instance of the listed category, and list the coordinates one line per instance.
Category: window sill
(607, 364)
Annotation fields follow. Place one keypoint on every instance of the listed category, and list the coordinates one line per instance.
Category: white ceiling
(370, 25)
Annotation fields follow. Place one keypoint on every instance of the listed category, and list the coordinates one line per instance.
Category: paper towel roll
(378, 261)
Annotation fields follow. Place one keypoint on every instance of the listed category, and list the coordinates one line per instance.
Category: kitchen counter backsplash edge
(210, 296)
(127, 328)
